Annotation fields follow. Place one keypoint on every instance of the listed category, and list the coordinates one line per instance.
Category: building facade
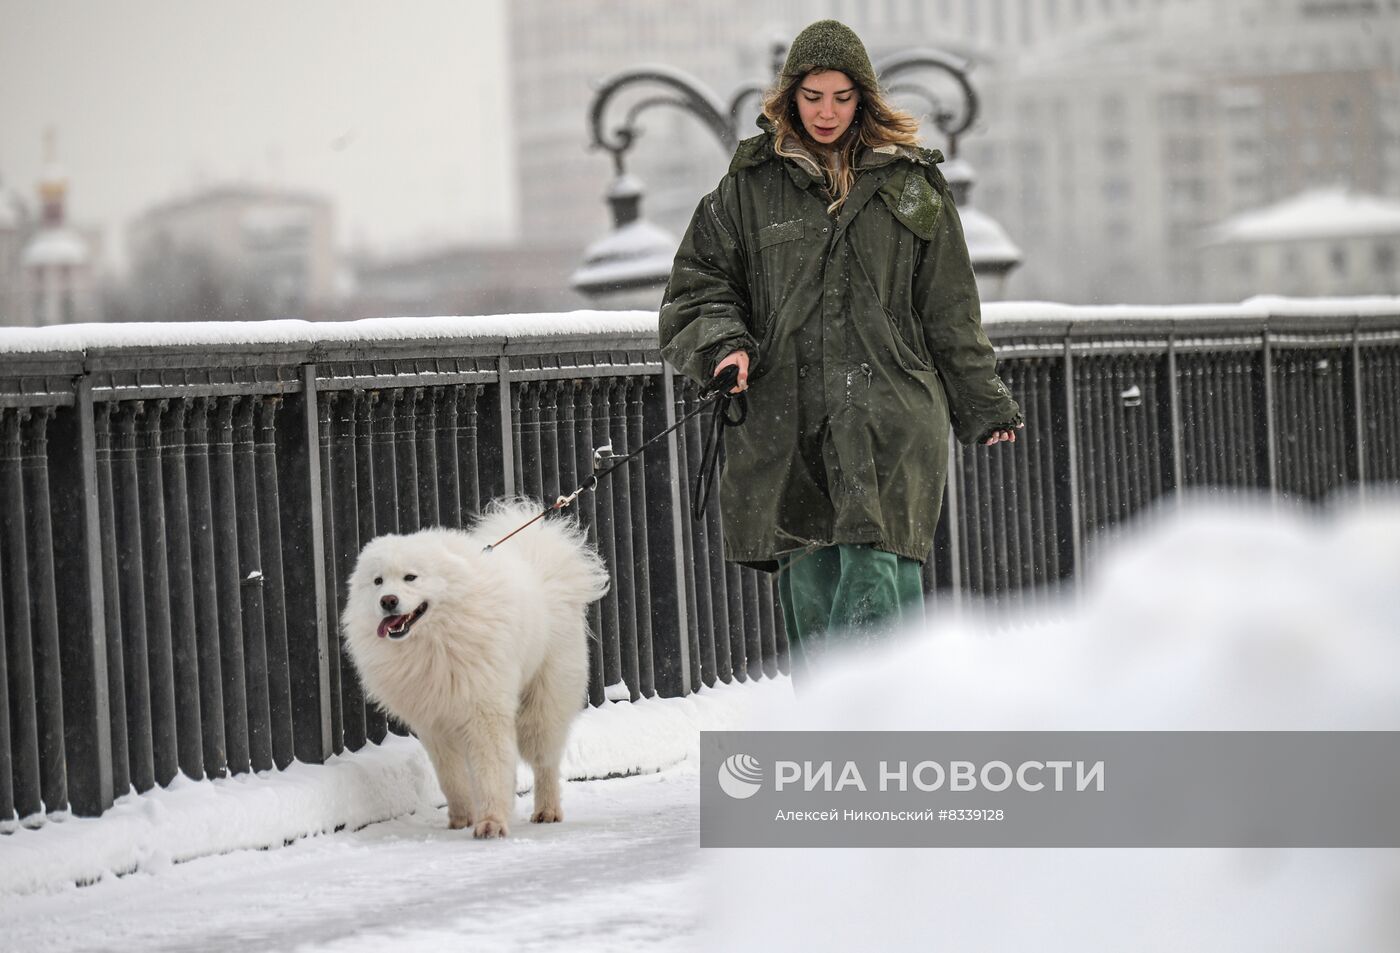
(274, 244)
(15, 225)
(1330, 242)
(1112, 133)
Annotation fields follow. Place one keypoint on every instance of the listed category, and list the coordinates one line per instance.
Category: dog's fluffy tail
(557, 546)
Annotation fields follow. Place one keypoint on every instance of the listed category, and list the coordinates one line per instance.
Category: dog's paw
(490, 827)
(459, 823)
(547, 815)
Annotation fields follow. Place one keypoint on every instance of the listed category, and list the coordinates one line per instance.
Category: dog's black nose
(388, 603)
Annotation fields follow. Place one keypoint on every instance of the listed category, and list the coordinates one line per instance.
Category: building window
(1385, 259)
(1115, 110)
(1338, 257)
(1115, 148)
(1117, 189)
(1183, 106)
(1292, 262)
(1189, 149)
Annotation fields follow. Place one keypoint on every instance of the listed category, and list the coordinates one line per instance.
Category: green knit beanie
(833, 45)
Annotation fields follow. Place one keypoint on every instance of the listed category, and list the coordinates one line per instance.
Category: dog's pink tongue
(389, 622)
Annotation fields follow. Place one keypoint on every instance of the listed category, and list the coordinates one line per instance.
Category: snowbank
(1220, 615)
(197, 818)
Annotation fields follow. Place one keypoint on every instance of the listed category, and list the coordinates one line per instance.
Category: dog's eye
(409, 578)
(379, 580)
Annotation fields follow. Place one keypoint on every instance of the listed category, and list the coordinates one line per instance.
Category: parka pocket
(906, 353)
(775, 266)
(780, 232)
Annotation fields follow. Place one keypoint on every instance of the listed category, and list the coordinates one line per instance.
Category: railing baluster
(211, 709)
(448, 466)
(7, 768)
(386, 491)
(406, 457)
(1072, 481)
(111, 601)
(774, 645)
(425, 413)
(588, 513)
(713, 627)
(279, 674)
(528, 432)
(24, 724)
(753, 631)
(154, 534)
(184, 648)
(342, 476)
(735, 635)
(551, 486)
(253, 584)
(469, 448)
(607, 539)
(623, 509)
(48, 679)
(367, 418)
(133, 583)
(228, 583)
(641, 532)
(329, 502)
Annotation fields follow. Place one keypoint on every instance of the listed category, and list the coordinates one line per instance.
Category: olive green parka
(865, 338)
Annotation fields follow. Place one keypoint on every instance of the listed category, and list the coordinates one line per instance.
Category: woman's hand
(739, 359)
(999, 435)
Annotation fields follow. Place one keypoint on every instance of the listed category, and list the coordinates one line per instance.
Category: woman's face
(826, 103)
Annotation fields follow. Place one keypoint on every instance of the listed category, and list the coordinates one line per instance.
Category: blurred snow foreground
(1221, 613)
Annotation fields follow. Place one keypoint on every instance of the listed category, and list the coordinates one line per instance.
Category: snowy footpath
(1219, 614)
(258, 863)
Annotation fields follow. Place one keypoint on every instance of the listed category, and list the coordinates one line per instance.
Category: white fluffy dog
(481, 653)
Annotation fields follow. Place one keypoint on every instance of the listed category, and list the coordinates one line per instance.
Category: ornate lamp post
(994, 255)
(632, 261)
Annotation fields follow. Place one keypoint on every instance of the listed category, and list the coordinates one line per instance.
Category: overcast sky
(397, 111)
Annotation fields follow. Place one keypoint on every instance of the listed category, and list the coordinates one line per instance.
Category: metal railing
(177, 519)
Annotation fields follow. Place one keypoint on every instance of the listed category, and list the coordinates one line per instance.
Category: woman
(830, 268)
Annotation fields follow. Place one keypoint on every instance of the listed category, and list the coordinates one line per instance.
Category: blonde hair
(877, 123)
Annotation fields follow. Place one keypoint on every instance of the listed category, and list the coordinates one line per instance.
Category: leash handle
(722, 383)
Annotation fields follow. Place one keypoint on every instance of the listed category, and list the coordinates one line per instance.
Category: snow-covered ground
(1225, 614)
(356, 855)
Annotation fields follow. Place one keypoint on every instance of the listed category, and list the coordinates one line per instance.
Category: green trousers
(844, 595)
